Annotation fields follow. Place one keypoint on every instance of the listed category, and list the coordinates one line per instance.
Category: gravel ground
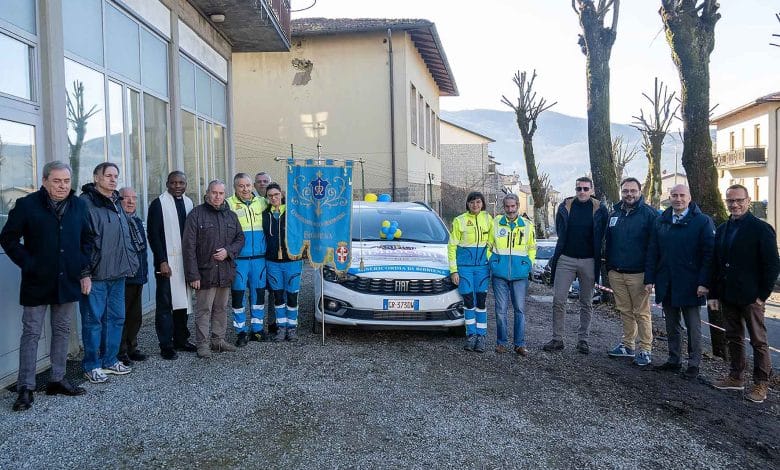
(381, 399)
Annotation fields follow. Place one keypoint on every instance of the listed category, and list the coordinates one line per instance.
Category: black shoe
(186, 347)
(137, 356)
(24, 401)
(691, 372)
(553, 345)
(169, 354)
(273, 328)
(668, 367)
(63, 387)
(258, 336)
(241, 340)
(582, 347)
(125, 359)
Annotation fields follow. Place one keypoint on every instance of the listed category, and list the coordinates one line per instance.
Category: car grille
(369, 285)
(398, 316)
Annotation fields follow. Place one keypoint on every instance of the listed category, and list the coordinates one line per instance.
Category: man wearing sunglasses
(745, 266)
(580, 223)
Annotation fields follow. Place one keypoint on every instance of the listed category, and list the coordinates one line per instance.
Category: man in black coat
(744, 269)
(134, 286)
(47, 235)
(678, 265)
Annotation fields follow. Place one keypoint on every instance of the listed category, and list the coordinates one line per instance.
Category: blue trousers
(506, 291)
(250, 273)
(285, 280)
(473, 287)
(102, 320)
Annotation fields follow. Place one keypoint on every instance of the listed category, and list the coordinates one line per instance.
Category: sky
(487, 41)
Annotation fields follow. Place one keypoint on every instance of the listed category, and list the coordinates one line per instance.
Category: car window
(544, 252)
(415, 225)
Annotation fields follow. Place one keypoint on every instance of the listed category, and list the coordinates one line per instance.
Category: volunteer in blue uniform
(284, 272)
(250, 265)
(469, 252)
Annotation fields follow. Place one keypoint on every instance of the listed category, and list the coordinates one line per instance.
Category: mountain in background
(560, 144)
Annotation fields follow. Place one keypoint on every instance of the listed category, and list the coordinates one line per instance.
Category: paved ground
(397, 399)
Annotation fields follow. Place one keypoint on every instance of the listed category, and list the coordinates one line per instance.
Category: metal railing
(281, 9)
(745, 156)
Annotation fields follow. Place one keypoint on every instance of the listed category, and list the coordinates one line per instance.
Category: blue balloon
(384, 198)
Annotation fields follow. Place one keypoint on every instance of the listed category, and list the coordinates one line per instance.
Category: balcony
(256, 26)
(744, 157)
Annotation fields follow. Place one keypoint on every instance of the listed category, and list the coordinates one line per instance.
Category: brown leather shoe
(501, 349)
(521, 351)
(758, 393)
(223, 346)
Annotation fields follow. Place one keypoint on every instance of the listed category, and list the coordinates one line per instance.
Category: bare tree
(622, 155)
(690, 32)
(654, 128)
(544, 212)
(77, 119)
(777, 15)
(596, 42)
(527, 111)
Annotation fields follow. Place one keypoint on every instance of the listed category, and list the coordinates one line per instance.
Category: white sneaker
(96, 376)
(117, 369)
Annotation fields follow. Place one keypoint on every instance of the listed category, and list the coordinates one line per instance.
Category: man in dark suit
(744, 270)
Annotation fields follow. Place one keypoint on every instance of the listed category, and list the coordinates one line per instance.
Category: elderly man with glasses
(580, 223)
(744, 269)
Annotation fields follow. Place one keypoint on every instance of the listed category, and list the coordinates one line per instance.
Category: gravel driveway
(379, 399)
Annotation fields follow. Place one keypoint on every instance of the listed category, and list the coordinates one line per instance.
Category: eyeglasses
(630, 191)
(736, 201)
(582, 189)
(274, 195)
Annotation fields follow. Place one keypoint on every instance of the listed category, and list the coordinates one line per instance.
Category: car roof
(414, 206)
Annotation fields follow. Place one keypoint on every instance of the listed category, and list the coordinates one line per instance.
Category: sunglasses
(583, 189)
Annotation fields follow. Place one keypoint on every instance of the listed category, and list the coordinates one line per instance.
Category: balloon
(370, 197)
(397, 233)
(385, 198)
(385, 223)
(382, 234)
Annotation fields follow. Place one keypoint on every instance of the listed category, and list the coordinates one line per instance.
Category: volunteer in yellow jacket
(513, 254)
(469, 252)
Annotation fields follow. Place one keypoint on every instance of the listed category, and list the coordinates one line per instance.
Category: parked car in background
(544, 252)
(402, 283)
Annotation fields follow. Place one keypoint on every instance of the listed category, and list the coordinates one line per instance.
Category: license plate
(401, 304)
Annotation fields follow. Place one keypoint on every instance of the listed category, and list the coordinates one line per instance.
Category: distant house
(747, 152)
(668, 181)
(351, 89)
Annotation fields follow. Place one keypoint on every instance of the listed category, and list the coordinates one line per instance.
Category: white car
(402, 283)
(544, 252)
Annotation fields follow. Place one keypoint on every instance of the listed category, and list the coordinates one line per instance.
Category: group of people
(92, 250)
(678, 253)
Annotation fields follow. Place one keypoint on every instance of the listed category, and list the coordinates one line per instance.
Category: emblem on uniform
(469, 223)
(502, 232)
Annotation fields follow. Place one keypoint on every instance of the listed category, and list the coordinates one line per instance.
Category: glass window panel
(156, 145)
(421, 122)
(17, 162)
(220, 165)
(86, 121)
(82, 28)
(19, 13)
(134, 147)
(187, 83)
(122, 53)
(218, 100)
(204, 154)
(203, 87)
(154, 67)
(15, 66)
(191, 154)
(116, 133)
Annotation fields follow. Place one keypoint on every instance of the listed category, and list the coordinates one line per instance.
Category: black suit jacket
(746, 270)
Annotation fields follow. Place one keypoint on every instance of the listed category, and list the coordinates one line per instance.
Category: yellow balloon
(385, 223)
(370, 197)
(382, 235)
(397, 233)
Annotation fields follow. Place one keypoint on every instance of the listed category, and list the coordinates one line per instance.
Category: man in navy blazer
(744, 271)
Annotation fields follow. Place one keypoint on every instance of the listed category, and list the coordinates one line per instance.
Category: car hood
(407, 260)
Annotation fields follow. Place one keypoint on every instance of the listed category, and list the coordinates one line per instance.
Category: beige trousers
(210, 311)
(633, 303)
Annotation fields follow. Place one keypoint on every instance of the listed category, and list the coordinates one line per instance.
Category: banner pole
(322, 304)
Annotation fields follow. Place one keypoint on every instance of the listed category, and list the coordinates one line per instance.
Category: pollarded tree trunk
(596, 42)
(690, 32)
(654, 170)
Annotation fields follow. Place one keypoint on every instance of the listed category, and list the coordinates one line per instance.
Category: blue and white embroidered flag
(319, 211)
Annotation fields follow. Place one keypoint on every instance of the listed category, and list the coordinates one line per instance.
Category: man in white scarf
(165, 221)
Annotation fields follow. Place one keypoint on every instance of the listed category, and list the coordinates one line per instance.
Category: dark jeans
(736, 317)
(133, 318)
(171, 325)
(692, 317)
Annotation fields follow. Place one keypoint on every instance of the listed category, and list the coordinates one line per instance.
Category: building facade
(348, 89)
(142, 83)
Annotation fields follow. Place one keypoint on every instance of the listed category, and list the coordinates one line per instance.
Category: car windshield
(420, 226)
(544, 252)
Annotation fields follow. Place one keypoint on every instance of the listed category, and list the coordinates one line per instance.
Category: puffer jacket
(208, 229)
(275, 229)
(112, 256)
(628, 234)
(514, 248)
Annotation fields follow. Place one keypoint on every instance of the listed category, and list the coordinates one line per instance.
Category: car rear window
(420, 226)
(544, 252)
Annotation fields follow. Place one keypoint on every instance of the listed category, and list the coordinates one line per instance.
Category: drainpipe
(392, 112)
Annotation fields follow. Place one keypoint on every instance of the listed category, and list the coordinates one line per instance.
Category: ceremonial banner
(319, 211)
